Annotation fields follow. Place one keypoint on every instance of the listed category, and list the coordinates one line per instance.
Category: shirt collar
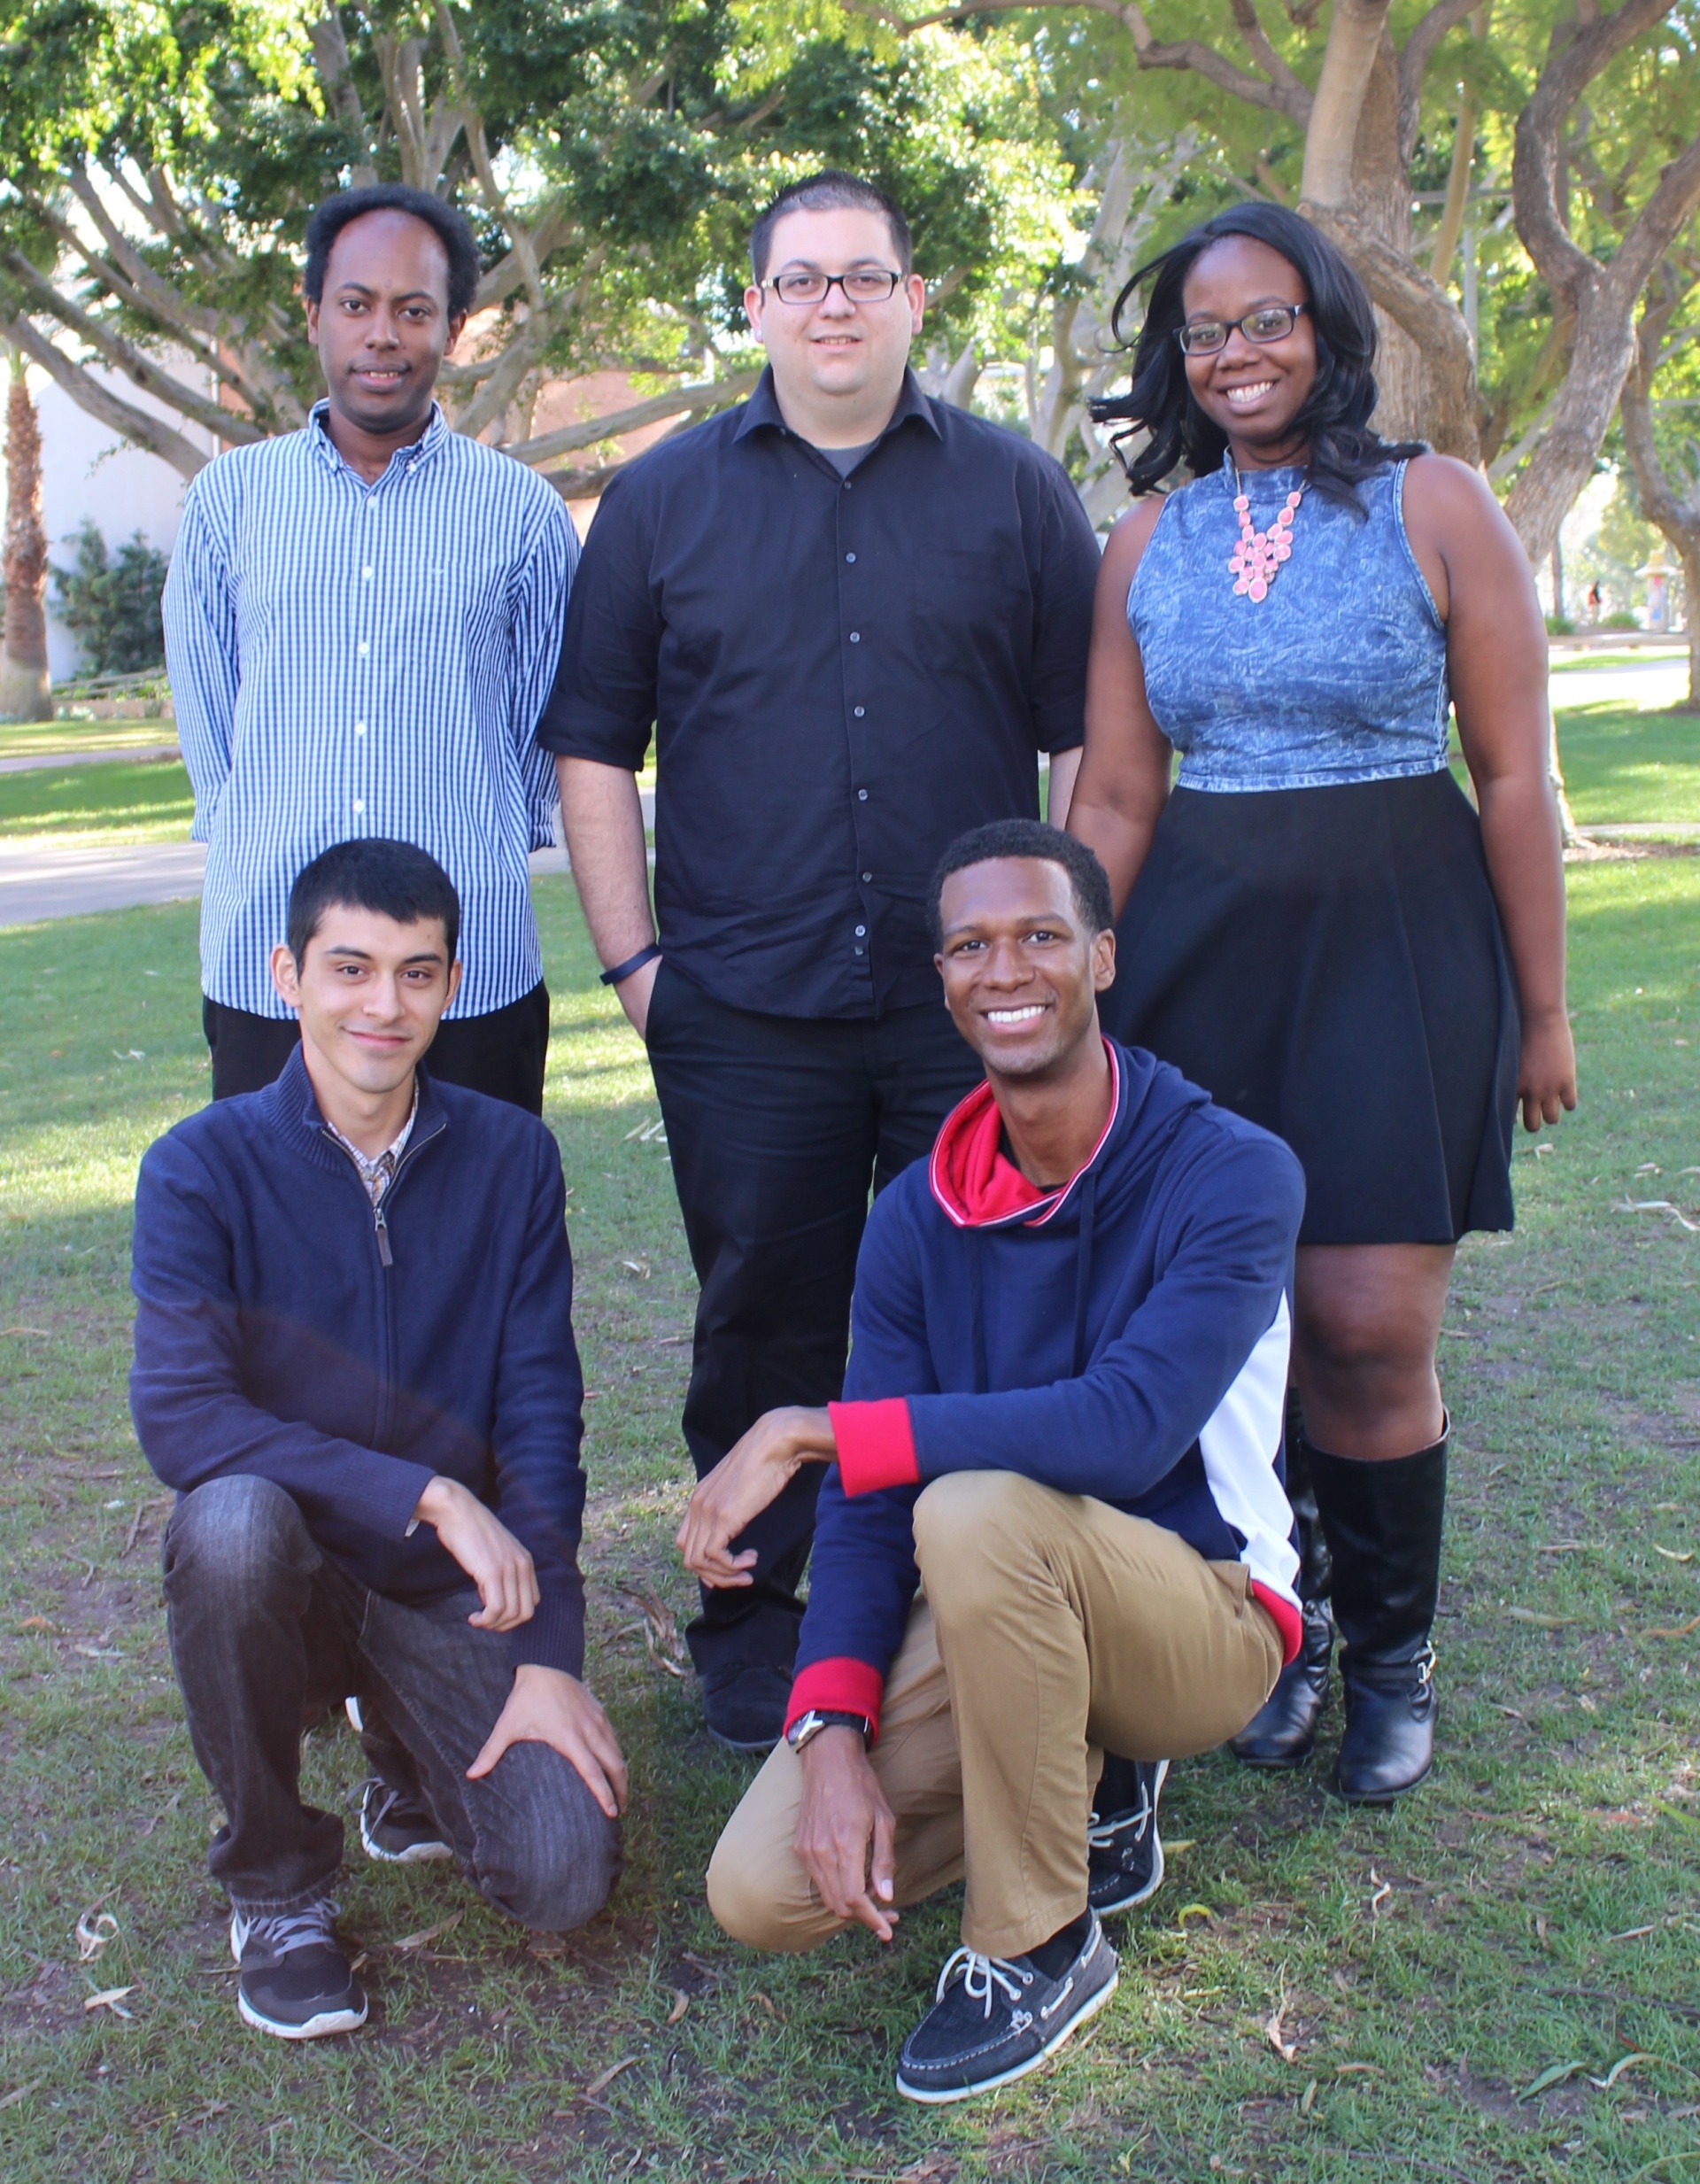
(762, 408)
(427, 445)
(371, 1163)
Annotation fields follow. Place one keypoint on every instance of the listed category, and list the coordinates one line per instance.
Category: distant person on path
(855, 616)
(1317, 927)
(362, 619)
(354, 1361)
(1062, 1423)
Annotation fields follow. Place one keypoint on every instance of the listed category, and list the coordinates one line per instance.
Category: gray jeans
(265, 1632)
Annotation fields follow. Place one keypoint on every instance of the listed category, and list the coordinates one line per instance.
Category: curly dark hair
(1335, 415)
(452, 229)
(1025, 838)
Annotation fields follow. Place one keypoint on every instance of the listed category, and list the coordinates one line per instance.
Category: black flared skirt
(1329, 962)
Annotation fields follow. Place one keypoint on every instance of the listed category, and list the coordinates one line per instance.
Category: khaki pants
(1052, 1627)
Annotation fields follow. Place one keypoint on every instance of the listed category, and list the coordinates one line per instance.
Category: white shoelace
(1101, 1834)
(287, 1931)
(981, 1974)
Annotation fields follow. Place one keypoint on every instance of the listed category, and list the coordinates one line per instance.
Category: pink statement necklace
(1259, 554)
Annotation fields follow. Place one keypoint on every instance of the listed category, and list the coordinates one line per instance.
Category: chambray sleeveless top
(1337, 675)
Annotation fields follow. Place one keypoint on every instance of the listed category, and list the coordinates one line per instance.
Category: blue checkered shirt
(352, 659)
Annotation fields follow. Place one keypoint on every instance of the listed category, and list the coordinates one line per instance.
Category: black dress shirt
(844, 673)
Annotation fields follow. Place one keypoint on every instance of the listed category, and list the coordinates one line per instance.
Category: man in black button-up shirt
(854, 616)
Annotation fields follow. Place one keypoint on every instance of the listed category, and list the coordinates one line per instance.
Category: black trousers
(502, 1054)
(776, 1126)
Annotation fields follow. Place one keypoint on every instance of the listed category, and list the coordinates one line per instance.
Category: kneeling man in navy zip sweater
(354, 1361)
(1055, 1524)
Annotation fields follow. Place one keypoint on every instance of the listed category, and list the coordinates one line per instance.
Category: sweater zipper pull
(386, 1257)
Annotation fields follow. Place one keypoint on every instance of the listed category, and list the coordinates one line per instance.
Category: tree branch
(101, 403)
(128, 360)
(336, 72)
(1535, 188)
(1413, 64)
(1354, 33)
(683, 402)
(1294, 93)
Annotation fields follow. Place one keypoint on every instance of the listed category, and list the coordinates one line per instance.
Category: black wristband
(622, 971)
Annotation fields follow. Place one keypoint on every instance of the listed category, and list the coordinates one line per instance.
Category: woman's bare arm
(1496, 659)
(1123, 780)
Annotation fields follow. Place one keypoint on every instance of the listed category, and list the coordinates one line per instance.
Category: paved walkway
(40, 881)
(136, 754)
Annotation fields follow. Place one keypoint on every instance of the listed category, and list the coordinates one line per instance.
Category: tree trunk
(1677, 515)
(24, 692)
(1381, 196)
(1691, 617)
(1557, 580)
(1563, 460)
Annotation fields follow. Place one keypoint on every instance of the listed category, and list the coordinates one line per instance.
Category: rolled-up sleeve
(603, 703)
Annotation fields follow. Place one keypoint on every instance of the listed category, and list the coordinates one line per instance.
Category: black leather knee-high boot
(1383, 1523)
(1283, 1732)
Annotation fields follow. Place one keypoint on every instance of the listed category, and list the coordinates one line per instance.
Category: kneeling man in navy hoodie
(1055, 1524)
(354, 1361)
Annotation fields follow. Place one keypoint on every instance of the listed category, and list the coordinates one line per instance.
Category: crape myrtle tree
(1659, 417)
(158, 163)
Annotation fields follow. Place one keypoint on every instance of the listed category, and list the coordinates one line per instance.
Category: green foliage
(1560, 625)
(112, 602)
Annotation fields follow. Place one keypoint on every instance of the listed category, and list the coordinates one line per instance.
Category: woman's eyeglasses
(868, 284)
(1269, 322)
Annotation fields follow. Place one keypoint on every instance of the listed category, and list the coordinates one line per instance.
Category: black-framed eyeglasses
(868, 284)
(1269, 322)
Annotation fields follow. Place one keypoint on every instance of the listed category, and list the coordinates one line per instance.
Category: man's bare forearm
(603, 819)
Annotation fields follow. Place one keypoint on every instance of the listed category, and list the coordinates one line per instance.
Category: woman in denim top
(1317, 926)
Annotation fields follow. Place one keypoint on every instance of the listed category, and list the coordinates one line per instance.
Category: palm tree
(24, 693)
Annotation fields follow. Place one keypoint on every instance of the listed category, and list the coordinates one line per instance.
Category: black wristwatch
(809, 1726)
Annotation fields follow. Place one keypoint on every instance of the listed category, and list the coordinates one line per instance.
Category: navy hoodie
(1126, 1336)
(285, 1332)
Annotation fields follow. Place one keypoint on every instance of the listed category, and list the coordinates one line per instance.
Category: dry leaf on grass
(1272, 2030)
(662, 1640)
(1680, 1629)
(1382, 1890)
(605, 2078)
(95, 1935)
(1670, 1555)
(681, 2003)
(21, 2093)
(1541, 1622)
(109, 1998)
(427, 1933)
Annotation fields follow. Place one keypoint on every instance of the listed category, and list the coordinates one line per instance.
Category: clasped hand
(742, 1484)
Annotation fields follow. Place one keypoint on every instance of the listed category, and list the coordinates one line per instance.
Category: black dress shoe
(1389, 1747)
(1283, 1733)
(743, 1704)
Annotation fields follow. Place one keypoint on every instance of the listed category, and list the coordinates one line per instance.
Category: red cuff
(840, 1686)
(875, 1445)
(1289, 1623)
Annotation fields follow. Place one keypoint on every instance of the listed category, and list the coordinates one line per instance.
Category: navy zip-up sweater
(1125, 1338)
(285, 1331)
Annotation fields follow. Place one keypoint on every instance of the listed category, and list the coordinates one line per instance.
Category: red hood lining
(973, 1179)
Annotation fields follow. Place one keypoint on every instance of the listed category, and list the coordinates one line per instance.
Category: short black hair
(1335, 415)
(832, 191)
(392, 878)
(452, 229)
(1026, 838)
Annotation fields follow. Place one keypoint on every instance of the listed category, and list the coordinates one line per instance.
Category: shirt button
(861, 931)
(861, 951)
(359, 727)
(359, 806)
(867, 876)
(367, 572)
(849, 557)
(861, 709)
(855, 637)
(861, 797)
(363, 648)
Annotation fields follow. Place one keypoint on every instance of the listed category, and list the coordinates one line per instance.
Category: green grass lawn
(1621, 767)
(1535, 1910)
(126, 800)
(46, 738)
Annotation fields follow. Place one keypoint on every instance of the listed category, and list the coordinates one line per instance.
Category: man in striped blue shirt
(362, 622)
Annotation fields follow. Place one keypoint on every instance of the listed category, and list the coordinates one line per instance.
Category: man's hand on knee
(846, 1832)
(742, 1484)
(486, 1549)
(546, 1705)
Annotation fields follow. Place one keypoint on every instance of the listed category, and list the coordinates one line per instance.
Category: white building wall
(89, 470)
